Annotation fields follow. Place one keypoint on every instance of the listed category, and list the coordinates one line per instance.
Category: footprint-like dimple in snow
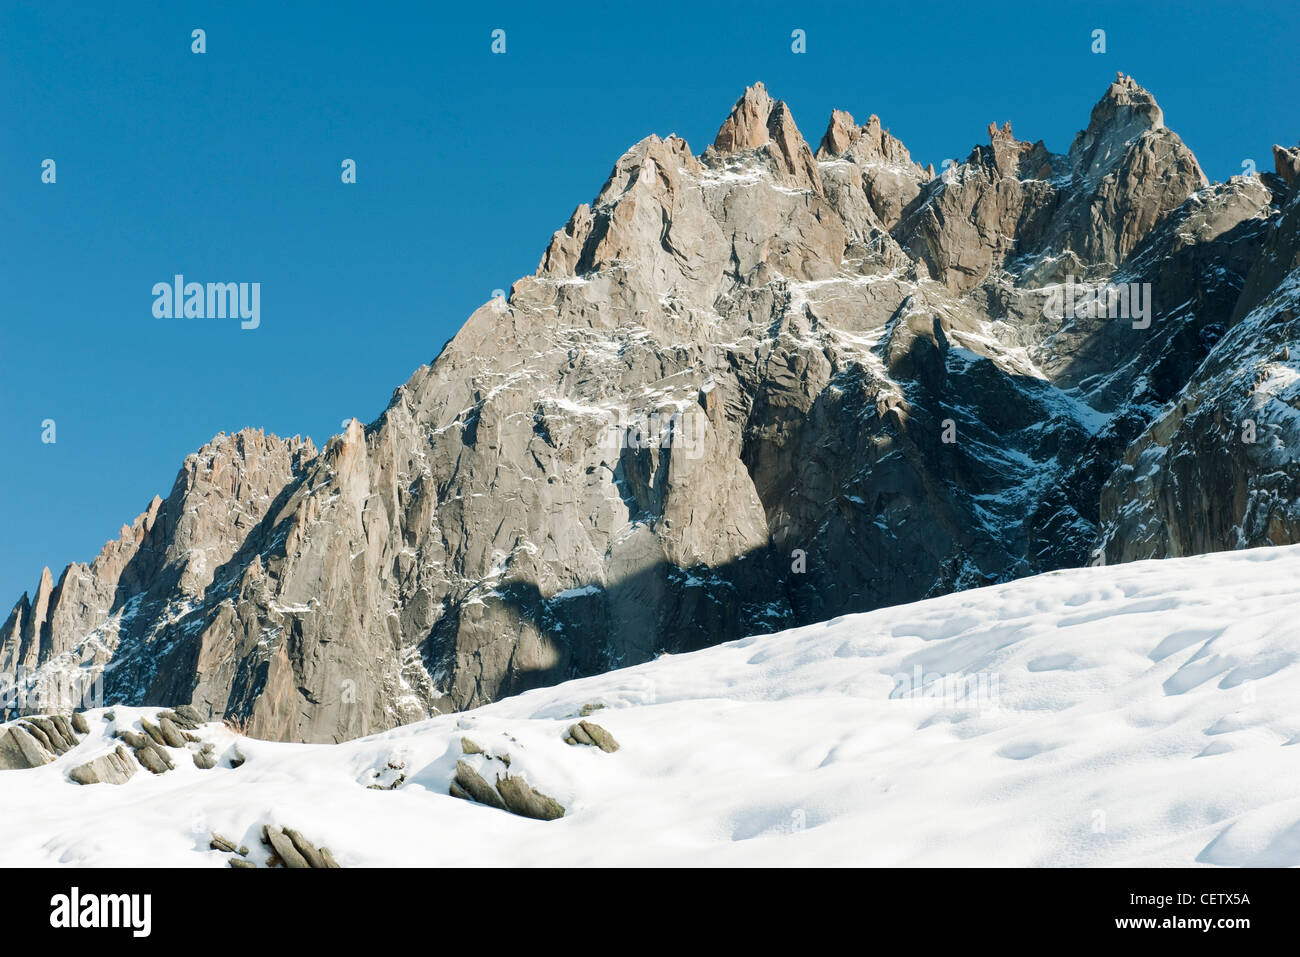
(1221, 746)
(1021, 750)
(1195, 673)
(949, 716)
(770, 821)
(1148, 607)
(1179, 640)
(1256, 670)
(937, 628)
(1227, 724)
(858, 647)
(1267, 837)
(1061, 662)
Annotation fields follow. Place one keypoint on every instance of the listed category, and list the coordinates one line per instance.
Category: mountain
(1134, 715)
(744, 391)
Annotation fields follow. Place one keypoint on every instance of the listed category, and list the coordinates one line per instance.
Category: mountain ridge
(799, 328)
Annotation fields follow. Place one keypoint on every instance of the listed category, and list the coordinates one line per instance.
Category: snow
(576, 592)
(1138, 714)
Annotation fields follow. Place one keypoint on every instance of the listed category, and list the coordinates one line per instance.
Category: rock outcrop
(592, 735)
(20, 750)
(510, 792)
(116, 767)
(291, 850)
(744, 390)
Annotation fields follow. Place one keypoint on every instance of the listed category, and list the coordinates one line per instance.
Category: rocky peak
(868, 176)
(1286, 163)
(841, 133)
(719, 360)
(1127, 113)
(1007, 156)
(1123, 103)
(225, 455)
(653, 165)
(865, 143)
(169, 553)
(633, 221)
(746, 127)
(759, 123)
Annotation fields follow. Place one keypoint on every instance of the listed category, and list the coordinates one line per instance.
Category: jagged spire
(1123, 99)
(1286, 162)
(758, 122)
(746, 127)
(871, 141)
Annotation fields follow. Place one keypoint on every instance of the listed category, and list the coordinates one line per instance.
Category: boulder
(50, 734)
(468, 783)
(288, 855)
(171, 734)
(63, 724)
(305, 848)
(526, 801)
(154, 758)
(189, 714)
(293, 850)
(19, 749)
(135, 739)
(79, 723)
(456, 791)
(116, 767)
(592, 735)
(184, 717)
(154, 732)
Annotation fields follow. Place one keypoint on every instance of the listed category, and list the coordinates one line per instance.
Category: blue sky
(225, 167)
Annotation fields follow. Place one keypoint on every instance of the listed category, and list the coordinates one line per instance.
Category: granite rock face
(744, 390)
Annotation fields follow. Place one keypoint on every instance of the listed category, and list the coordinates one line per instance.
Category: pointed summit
(1286, 163)
(1124, 102)
(757, 122)
(1128, 172)
(1008, 156)
(866, 143)
(1125, 111)
(746, 127)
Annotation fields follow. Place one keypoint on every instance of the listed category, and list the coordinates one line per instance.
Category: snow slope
(1138, 714)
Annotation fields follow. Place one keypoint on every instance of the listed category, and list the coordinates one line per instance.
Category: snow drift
(1142, 714)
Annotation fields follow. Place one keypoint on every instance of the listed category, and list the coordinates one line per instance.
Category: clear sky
(225, 166)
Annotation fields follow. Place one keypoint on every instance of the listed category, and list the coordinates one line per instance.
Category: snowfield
(1143, 714)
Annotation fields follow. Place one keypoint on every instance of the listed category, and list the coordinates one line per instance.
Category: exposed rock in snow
(116, 767)
(20, 749)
